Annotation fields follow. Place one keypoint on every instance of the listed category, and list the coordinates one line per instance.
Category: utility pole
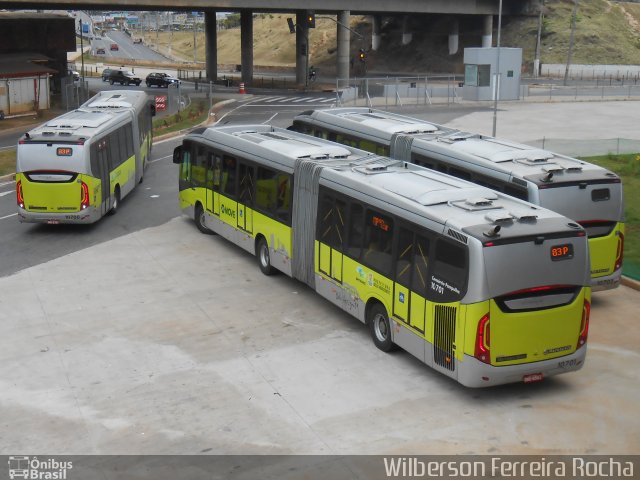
(573, 31)
(536, 61)
(81, 50)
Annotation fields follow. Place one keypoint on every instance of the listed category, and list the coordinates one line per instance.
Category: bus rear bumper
(473, 373)
(87, 216)
(607, 282)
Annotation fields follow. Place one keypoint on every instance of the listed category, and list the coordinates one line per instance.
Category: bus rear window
(449, 276)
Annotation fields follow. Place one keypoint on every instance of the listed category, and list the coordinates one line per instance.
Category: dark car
(124, 77)
(160, 80)
(100, 51)
(106, 73)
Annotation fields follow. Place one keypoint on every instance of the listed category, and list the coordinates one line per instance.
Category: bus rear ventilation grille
(458, 236)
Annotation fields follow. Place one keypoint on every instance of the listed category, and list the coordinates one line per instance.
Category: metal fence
(448, 89)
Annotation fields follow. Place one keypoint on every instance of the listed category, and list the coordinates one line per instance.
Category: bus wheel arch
(264, 256)
(377, 320)
(199, 217)
(116, 200)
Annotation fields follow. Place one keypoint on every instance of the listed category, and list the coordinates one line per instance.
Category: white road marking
(2, 194)
(8, 216)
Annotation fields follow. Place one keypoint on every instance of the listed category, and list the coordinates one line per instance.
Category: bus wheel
(380, 327)
(199, 218)
(264, 260)
(116, 202)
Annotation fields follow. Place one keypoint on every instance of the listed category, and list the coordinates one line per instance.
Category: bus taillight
(483, 340)
(620, 252)
(584, 325)
(19, 197)
(84, 196)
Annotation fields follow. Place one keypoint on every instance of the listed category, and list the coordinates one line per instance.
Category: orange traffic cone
(242, 90)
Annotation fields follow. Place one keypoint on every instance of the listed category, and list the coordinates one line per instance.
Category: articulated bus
(589, 194)
(80, 165)
(483, 287)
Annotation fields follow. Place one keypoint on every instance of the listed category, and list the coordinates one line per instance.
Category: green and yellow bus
(587, 193)
(80, 165)
(483, 287)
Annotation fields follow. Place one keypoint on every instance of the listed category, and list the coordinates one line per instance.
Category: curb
(630, 282)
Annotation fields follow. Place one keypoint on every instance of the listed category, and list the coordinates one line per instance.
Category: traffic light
(311, 19)
(362, 55)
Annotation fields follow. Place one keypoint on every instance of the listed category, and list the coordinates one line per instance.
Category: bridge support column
(454, 37)
(407, 36)
(487, 32)
(302, 48)
(211, 44)
(343, 36)
(246, 46)
(376, 38)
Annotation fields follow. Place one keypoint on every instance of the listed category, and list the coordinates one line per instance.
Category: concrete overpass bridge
(485, 10)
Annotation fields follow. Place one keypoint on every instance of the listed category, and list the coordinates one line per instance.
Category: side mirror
(177, 154)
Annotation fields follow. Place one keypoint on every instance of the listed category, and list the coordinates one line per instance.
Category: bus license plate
(53, 222)
(533, 377)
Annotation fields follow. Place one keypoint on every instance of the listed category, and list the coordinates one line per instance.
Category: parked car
(100, 51)
(123, 77)
(74, 74)
(160, 80)
(106, 73)
(137, 40)
(114, 46)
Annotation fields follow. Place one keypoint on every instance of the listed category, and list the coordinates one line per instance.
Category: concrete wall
(19, 95)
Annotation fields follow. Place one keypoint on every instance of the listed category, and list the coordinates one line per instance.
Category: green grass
(196, 113)
(7, 161)
(628, 167)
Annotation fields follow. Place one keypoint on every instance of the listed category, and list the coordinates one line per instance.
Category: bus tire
(264, 258)
(199, 219)
(380, 327)
(116, 201)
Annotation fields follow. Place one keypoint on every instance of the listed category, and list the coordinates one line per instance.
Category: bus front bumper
(473, 373)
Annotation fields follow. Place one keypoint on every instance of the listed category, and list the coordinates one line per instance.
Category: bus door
(213, 186)
(331, 235)
(102, 153)
(246, 195)
(411, 279)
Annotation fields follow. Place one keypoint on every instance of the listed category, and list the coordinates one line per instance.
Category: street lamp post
(497, 85)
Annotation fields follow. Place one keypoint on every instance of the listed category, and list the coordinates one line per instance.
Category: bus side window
(283, 196)
(199, 167)
(228, 179)
(356, 231)
(420, 277)
(331, 225)
(450, 271)
(378, 240)
(332, 136)
(520, 193)
(246, 191)
(217, 171)
(456, 172)
(404, 257)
